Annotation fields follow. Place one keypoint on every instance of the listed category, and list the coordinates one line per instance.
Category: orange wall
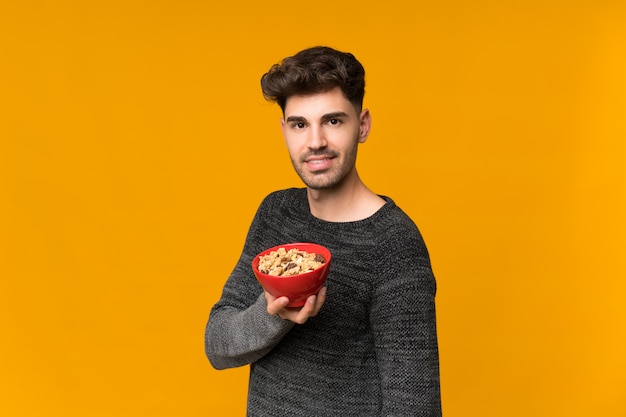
(135, 147)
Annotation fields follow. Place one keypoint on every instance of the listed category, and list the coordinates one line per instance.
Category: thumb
(274, 305)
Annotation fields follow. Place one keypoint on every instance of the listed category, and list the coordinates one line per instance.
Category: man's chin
(320, 181)
(320, 185)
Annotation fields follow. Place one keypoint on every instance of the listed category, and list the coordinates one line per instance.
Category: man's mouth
(318, 162)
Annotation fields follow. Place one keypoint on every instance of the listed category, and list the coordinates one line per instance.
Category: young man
(366, 344)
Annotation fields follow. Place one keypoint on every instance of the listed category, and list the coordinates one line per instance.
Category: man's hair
(315, 70)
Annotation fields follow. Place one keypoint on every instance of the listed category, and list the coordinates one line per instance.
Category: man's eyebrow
(296, 119)
(327, 116)
(334, 115)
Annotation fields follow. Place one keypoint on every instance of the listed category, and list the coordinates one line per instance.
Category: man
(366, 344)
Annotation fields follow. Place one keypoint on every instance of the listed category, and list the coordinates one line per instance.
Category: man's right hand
(297, 315)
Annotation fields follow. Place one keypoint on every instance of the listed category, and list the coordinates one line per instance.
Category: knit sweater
(371, 350)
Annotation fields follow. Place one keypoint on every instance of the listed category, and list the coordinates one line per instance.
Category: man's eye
(334, 121)
(299, 125)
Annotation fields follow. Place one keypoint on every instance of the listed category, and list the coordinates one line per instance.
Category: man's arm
(240, 330)
(404, 323)
(235, 337)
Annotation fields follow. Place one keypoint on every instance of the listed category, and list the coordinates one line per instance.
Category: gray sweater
(372, 349)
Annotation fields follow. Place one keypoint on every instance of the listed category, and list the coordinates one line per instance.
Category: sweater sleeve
(239, 330)
(403, 322)
(239, 337)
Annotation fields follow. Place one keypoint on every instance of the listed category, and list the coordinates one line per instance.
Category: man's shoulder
(393, 216)
(395, 225)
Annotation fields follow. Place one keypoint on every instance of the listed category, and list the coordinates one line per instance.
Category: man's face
(322, 132)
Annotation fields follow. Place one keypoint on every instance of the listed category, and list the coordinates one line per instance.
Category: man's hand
(298, 315)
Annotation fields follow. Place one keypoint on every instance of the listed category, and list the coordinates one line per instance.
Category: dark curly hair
(315, 70)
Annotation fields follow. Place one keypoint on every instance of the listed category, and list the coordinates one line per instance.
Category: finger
(269, 298)
(321, 296)
(307, 310)
(319, 302)
(276, 305)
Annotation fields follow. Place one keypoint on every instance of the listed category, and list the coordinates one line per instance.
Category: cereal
(288, 263)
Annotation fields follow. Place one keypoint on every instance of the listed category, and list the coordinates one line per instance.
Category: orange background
(135, 147)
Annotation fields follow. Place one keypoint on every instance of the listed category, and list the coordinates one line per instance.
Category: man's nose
(317, 138)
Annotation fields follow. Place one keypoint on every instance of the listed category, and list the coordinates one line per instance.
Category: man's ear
(365, 124)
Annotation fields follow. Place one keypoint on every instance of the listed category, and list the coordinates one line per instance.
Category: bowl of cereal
(293, 270)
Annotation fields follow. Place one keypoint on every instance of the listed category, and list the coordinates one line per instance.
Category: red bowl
(295, 287)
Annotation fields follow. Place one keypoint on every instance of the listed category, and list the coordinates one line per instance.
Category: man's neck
(350, 201)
